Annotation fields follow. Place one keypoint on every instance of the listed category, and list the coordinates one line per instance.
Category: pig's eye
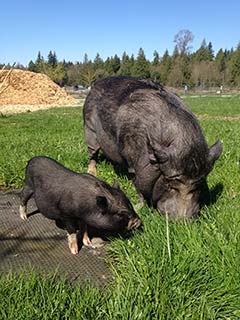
(194, 190)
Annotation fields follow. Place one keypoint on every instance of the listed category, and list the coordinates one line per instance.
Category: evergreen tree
(126, 65)
(155, 73)
(200, 54)
(98, 62)
(141, 67)
(107, 66)
(234, 67)
(113, 65)
(176, 54)
(156, 58)
(220, 61)
(186, 69)
(52, 59)
(204, 53)
(210, 52)
(39, 58)
(165, 67)
(40, 63)
(32, 66)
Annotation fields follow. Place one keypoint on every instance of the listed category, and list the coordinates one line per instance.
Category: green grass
(193, 274)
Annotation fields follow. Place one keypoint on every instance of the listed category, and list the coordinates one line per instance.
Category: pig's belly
(47, 206)
(109, 146)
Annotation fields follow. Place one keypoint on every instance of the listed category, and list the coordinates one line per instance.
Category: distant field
(215, 106)
(199, 280)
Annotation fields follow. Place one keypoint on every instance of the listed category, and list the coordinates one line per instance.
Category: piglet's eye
(118, 216)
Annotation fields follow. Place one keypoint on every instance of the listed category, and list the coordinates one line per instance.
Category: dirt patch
(22, 91)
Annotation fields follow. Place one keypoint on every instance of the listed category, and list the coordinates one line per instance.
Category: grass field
(199, 278)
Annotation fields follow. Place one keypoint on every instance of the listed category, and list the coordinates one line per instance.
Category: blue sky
(72, 28)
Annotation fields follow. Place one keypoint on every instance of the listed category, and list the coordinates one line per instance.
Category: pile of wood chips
(22, 91)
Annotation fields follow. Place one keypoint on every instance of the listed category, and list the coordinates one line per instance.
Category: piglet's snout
(134, 223)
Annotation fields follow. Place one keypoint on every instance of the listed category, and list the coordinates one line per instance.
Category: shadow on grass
(209, 197)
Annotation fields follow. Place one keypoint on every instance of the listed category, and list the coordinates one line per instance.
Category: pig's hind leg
(25, 195)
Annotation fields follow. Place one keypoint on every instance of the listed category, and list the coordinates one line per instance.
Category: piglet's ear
(115, 184)
(102, 202)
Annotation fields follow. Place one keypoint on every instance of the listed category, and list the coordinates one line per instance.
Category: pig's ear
(214, 153)
(102, 202)
(115, 184)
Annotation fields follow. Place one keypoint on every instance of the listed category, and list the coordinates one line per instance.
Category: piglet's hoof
(87, 242)
(22, 211)
(74, 251)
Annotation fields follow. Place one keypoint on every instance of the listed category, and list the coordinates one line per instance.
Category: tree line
(199, 69)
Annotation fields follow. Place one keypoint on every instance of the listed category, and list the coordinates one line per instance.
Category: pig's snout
(180, 209)
(134, 223)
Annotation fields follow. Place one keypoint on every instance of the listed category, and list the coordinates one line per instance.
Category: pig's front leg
(92, 167)
(140, 203)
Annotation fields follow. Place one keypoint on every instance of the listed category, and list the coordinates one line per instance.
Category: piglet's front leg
(23, 212)
(86, 240)
(72, 228)
(72, 243)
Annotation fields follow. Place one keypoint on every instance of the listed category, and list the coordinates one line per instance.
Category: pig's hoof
(22, 211)
(139, 206)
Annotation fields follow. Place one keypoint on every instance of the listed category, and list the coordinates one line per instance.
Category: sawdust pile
(22, 90)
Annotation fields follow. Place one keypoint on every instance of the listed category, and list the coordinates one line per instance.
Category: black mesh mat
(37, 244)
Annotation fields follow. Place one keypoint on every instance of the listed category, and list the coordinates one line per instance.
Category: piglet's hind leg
(25, 195)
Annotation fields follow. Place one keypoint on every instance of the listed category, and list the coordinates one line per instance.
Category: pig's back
(139, 98)
(48, 167)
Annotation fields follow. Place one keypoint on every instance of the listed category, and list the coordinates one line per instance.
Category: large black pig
(148, 129)
(75, 200)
